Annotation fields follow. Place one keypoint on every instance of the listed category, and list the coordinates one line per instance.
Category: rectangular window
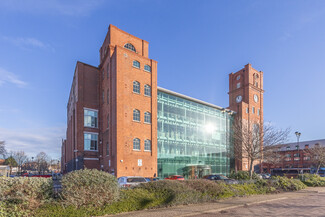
(90, 142)
(247, 110)
(107, 96)
(258, 112)
(238, 85)
(107, 121)
(90, 118)
(253, 110)
(107, 70)
(288, 147)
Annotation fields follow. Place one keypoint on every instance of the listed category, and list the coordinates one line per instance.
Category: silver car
(130, 181)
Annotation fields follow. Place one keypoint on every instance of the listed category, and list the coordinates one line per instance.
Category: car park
(220, 178)
(130, 181)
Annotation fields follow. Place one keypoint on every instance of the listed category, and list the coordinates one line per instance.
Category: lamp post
(298, 136)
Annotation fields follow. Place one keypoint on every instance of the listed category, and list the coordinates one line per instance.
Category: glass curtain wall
(193, 138)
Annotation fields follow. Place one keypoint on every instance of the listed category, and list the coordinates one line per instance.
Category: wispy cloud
(54, 7)
(27, 43)
(9, 77)
(33, 141)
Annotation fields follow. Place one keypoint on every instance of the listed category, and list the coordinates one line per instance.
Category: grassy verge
(76, 201)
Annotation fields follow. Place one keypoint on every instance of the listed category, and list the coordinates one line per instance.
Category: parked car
(175, 177)
(219, 177)
(130, 181)
(266, 175)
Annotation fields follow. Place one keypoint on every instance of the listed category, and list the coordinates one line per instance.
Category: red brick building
(293, 155)
(246, 99)
(114, 106)
(101, 103)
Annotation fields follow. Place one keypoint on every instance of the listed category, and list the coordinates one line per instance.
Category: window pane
(136, 87)
(147, 90)
(136, 144)
(130, 47)
(147, 68)
(147, 117)
(136, 64)
(147, 145)
(136, 115)
(90, 118)
(90, 141)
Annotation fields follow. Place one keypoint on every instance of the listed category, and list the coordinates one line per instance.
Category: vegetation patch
(96, 193)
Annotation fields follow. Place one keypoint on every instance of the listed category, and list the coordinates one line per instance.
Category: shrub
(285, 184)
(242, 175)
(210, 190)
(171, 192)
(313, 180)
(26, 193)
(89, 187)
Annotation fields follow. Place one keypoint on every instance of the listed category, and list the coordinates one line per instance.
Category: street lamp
(298, 136)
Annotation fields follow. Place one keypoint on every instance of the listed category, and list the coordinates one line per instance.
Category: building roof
(194, 100)
(302, 144)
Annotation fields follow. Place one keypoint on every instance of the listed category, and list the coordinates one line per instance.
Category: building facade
(246, 99)
(294, 155)
(119, 121)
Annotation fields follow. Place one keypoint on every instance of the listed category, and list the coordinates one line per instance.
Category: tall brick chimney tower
(246, 98)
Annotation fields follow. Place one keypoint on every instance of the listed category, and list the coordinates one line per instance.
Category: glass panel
(193, 139)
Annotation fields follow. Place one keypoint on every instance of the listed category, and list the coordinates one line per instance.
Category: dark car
(219, 177)
(175, 177)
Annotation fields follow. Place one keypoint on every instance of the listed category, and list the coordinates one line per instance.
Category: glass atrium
(193, 137)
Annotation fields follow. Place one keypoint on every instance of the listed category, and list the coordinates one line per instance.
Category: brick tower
(128, 105)
(246, 98)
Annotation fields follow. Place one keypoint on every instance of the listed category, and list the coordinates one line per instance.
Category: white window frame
(85, 132)
(94, 110)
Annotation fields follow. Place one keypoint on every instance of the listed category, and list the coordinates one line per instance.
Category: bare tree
(3, 151)
(252, 139)
(20, 158)
(317, 155)
(273, 156)
(41, 161)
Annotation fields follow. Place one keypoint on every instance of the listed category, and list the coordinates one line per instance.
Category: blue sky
(196, 43)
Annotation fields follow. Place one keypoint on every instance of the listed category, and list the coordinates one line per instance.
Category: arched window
(136, 64)
(147, 145)
(147, 68)
(130, 47)
(147, 117)
(147, 90)
(136, 87)
(136, 144)
(136, 115)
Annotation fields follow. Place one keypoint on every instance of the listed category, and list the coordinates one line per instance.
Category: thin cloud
(54, 7)
(9, 77)
(27, 43)
(33, 141)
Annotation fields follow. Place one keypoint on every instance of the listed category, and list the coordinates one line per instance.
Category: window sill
(136, 67)
(147, 96)
(147, 151)
(136, 93)
(92, 150)
(91, 127)
(147, 71)
(137, 150)
(147, 123)
(136, 121)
